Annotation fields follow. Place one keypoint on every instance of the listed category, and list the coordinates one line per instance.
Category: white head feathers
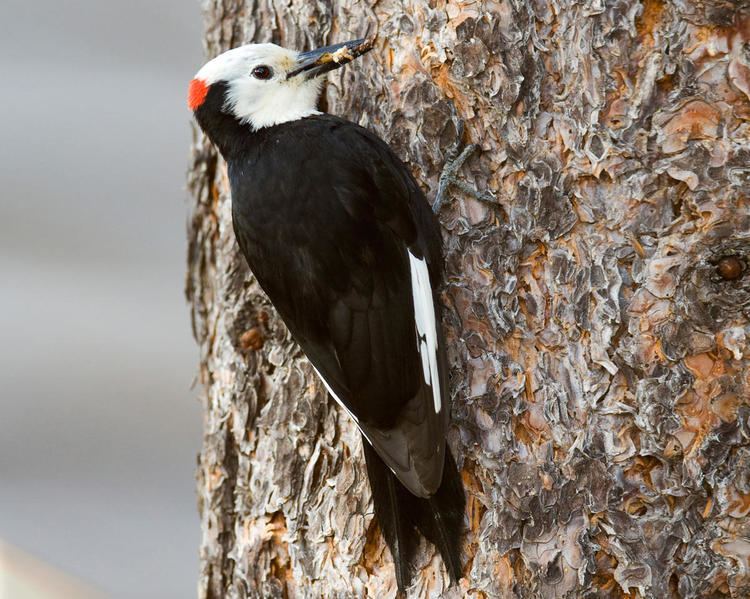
(258, 91)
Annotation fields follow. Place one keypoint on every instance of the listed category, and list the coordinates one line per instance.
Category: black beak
(322, 60)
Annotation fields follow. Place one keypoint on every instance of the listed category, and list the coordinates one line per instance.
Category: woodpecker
(344, 243)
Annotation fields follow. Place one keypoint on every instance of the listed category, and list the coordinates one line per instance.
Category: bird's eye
(262, 72)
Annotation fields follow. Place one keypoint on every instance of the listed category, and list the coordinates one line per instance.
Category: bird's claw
(455, 157)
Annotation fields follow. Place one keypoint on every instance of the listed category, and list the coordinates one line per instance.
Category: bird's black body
(329, 219)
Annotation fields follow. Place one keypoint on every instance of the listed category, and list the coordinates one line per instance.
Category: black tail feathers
(393, 507)
(439, 519)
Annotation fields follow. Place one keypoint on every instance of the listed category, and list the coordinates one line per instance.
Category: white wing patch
(424, 317)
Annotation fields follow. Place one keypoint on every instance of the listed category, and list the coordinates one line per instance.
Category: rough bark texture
(597, 316)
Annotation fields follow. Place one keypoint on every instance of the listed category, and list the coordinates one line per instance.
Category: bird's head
(264, 84)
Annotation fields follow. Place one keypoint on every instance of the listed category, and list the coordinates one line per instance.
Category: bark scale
(597, 316)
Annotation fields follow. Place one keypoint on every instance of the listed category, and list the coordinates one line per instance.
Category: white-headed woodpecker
(341, 238)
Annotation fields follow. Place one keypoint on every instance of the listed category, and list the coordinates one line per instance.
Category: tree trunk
(597, 315)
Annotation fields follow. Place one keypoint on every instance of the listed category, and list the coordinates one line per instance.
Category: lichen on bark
(599, 353)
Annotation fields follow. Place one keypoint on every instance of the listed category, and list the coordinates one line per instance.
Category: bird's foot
(455, 157)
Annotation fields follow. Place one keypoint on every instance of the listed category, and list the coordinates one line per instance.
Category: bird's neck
(229, 135)
(225, 130)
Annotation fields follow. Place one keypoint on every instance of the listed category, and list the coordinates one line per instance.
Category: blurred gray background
(99, 426)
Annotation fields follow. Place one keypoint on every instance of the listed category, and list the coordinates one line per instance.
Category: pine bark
(597, 315)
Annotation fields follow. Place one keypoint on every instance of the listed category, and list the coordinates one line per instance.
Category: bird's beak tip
(320, 61)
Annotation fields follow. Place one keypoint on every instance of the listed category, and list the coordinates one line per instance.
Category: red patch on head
(197, 93)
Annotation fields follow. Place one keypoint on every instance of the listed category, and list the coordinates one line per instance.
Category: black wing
(337, 231)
